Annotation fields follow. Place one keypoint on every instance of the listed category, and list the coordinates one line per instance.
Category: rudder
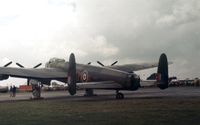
(72, 75)
(162, 72)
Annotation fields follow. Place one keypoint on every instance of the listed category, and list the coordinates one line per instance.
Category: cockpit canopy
(53, 61)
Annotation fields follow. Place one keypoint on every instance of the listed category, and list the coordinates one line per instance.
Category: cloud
(144, 29)
(129, 31)
(182, 12)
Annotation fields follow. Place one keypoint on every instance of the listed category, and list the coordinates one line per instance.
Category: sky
(131, 31)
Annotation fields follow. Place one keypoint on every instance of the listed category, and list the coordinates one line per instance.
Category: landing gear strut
(119, 95)
(36, 90)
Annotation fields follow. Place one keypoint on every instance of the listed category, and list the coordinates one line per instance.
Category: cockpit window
(56, 60)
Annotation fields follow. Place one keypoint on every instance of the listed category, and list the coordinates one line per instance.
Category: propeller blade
(100, 63)
(114, 63)
(37, 65)
(19, 65)
(8, 64)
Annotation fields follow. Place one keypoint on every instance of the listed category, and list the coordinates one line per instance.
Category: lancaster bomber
(89, 77)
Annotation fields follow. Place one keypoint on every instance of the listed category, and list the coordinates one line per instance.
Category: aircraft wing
(42, 73)
(99, 85)
(135, 67)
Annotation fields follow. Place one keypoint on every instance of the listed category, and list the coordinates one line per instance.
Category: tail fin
(162, 73)
(72, 75)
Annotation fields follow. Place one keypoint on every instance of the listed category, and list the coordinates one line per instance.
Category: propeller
(89, 63)
(114, 63)
(6, 65)
(21, 66)
(104, 65)
(38, 65)
(100, 63)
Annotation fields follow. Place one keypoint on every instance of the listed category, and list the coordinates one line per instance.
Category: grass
(140, 111)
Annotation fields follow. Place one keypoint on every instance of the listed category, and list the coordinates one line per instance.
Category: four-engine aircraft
(89, 77)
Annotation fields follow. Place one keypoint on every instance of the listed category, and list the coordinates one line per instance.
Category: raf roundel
(84, 76)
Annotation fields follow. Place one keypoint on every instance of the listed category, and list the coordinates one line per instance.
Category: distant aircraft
(88, 76)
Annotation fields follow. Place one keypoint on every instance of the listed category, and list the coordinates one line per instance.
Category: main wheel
(119, 96)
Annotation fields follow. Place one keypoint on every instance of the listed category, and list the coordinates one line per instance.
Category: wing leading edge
(135, 67)
(43, 73)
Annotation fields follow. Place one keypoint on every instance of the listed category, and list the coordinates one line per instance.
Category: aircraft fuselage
(88, 73)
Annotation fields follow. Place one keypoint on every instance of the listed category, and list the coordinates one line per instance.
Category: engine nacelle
(134, 82)
(4, 77)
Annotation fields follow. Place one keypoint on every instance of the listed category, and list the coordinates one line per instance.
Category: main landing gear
(119, 95)
(36, 89)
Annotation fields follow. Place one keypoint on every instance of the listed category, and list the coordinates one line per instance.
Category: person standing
(11, 91)
(14, 91)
